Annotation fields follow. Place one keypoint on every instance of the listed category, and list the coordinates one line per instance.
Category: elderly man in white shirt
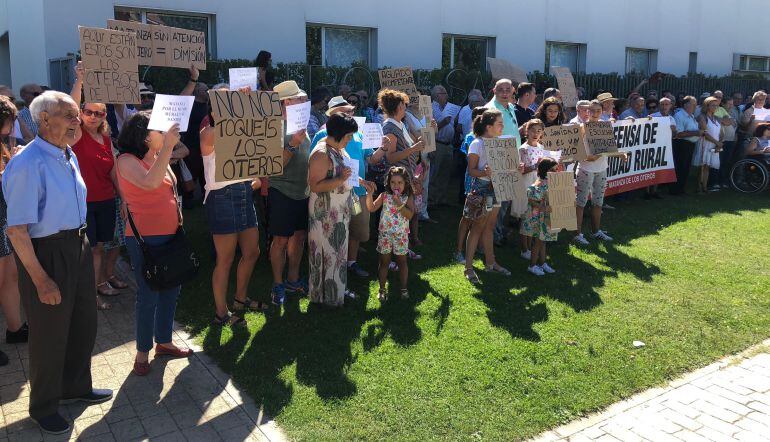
(464, 121)
(583, 108)
(441, 164)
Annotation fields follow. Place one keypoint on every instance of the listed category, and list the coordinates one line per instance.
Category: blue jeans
(154, 310)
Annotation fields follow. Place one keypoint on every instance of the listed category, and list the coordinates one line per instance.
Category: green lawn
(689, 276)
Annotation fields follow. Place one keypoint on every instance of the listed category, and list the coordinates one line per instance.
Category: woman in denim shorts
(232, 221)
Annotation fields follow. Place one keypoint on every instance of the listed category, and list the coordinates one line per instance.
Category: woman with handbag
(481, 206)
(148, 187)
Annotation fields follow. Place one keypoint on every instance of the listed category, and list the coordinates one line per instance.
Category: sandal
(383, 295)
(102, 304)
(471, 276)
(228, 319)
(251, 305)
(497, 268)
(404, 294)
(117, 282)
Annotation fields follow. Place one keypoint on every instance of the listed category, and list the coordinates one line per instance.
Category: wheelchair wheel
(749, 176)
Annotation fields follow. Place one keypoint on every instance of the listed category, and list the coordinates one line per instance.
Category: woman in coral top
(147, 186)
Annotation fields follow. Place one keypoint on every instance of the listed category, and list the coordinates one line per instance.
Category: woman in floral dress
(330, 206)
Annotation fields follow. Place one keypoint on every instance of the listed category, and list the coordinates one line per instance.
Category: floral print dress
(394, 229)
(329, 214)
(535, 222)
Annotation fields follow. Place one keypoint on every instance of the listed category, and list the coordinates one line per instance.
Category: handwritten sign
(450, 110)
(400, 79)
(243, 77)
(248, 131)
(425, 107)
(297, 117)
(166, 46)
(372, 135)
(111, 66)
(561, 199)
(170, 109)
(352, 180)
(360, 121)
(566, 85)
(600, 138)
(567, 139)
(504, 69)
(761, 114)
(428, 135)
(503, 160)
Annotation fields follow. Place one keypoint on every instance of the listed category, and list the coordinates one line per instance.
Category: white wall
(409, 31)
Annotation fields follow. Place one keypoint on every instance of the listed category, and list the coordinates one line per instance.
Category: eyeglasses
(97, 114)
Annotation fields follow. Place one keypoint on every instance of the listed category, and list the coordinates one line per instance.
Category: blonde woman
(707, 150)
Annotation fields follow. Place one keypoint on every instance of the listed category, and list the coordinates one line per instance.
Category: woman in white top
(708, 148)
(481, 206)
(232, 221)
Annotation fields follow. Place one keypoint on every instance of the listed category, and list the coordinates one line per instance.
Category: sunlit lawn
(689, 276)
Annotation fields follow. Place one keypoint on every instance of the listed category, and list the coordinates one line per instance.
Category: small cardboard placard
(566, 85)
(242, 77)
(501, 68)
(248, 131)
(425, 107)
(503, 160)
(297, 117)
(428, 135)
(600, 138)
(170, 109)
(111, 66)
(400, 79)
(165, 46)
(561, 199)
(567, 139)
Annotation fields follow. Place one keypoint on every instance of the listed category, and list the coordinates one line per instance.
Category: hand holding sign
(169, 110)
(350, 173)
(242, 77)
(372, 135)
(297, 117)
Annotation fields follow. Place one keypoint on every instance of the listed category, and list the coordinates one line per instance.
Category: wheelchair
(751, 174)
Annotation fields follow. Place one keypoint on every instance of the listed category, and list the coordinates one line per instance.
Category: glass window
(469, 53)
(127, 15)
(757, 64)
(338, 46)
(751, 63)
(194, 22)
(641, 61)
(568, 55)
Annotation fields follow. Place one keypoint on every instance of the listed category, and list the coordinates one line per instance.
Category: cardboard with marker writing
(500, 68)
(248, 134)
(568, 139)
(600, 138)
(400, 79)
(166, 46)
(111, 66)
(425, 107)
(566, 85)
(503, 160)
(561, 199)
(428, 135)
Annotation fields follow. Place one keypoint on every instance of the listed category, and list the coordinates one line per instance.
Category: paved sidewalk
(728, 400)
(181, 399)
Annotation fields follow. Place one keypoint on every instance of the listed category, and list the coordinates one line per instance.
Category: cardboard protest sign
(242, 77)
(600, 138)
(567, 139)
(248, 131)
(428, 135)
(352, 180)
(400, 79)
(297, 117)
(648, 142)
(425, 107)
(170, 109)
(761, 114)
(503, 69)
(451, 110)
(566, 85)
(166, 46)
(503, 160)
(372, 135)
(561, 199)
(111, 66)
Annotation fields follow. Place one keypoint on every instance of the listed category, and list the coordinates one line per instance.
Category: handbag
(170, 264)
(475, 202)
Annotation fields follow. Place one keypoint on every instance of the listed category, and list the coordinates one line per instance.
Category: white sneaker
(526, 254)
(580, 239)
(600, 234)
(547, 269)
(535, 270)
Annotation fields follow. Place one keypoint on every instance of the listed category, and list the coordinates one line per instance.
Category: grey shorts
(593, 184)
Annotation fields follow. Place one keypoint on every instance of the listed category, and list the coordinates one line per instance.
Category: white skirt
(705, 155)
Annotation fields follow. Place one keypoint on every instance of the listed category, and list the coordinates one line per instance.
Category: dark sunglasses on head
(97, 114)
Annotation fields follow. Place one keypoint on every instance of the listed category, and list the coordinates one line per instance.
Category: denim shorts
(231, 209)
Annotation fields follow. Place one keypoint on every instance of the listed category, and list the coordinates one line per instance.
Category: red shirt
(96, 163)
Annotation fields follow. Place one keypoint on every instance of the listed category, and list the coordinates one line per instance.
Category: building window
(185, 20)
(340, 45)
(751, 63)
(693, 66)
(567, 55)
(641, 61)
(466, 52)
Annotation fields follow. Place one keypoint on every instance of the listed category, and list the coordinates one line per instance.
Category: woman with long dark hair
(551, 112)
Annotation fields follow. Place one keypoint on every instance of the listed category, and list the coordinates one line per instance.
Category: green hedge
(457, 82)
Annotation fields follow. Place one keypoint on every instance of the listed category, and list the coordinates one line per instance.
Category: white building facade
(715, 37)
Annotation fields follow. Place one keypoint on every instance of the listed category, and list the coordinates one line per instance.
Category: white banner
(648, 144)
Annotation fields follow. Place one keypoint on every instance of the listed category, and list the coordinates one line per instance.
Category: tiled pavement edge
(181, 399)
(725, 401)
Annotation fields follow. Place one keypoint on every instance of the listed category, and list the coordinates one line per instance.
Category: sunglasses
(97, 114)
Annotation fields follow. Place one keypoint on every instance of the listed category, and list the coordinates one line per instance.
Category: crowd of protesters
(82, 180)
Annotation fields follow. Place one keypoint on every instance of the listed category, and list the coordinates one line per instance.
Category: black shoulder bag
(171, 264)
